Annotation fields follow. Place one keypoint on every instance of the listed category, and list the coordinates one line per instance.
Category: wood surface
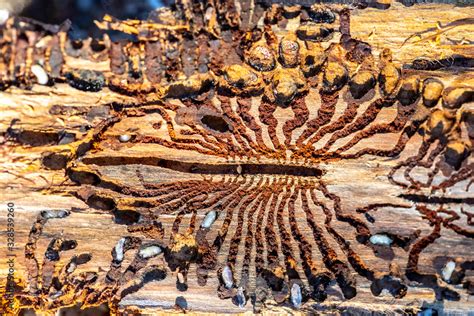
(148, 156)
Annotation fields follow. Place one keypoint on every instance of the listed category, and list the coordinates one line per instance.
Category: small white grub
(125, 138)
(379, 239)
(239, 169)
(209, 219)
(296, 297)
(71, 268)
(56, 295)
(227, 277)
(181, 278)
(209, 13)
(40, 74)
(448, 270)
(4, 15)
(119, 249)
(54, 214)
(149, 251)
(385, 292)
(241, 301)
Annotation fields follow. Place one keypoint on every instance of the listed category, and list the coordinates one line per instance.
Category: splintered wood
(238, 157)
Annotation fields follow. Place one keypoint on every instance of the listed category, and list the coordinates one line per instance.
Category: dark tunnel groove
(205, 168)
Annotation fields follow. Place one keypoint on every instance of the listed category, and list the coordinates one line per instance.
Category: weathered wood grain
(114, 185)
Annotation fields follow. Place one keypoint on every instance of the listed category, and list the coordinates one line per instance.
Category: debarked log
(241, 156)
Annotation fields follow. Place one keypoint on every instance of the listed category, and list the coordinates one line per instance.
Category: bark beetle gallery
(250, 115)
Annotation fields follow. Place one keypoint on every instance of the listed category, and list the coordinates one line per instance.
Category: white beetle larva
(125, 138)
(379, 239)
(71, 268)
(54, 214)
(119, 249)
(227, 277)
(40, 74)
(296, 297)
(147, 252)
(56, 295)
(4, 15)
(239, 169)
(181, 278)
(240, 298)
(448, 270)
(209, 219)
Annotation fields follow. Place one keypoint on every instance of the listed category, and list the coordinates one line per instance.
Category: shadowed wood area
(241, 157)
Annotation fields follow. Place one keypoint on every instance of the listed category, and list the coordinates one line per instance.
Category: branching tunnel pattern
(254, 140)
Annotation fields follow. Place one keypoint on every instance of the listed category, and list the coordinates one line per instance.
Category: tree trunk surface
(328, 198)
